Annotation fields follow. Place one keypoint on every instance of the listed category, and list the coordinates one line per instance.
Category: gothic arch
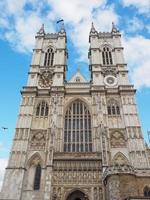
(113, 100)
(106, 45)
(33, 173)
(120, 159)
(34, 159)
(76, 190)
(77, 98)
(40, 101)
(48, 47)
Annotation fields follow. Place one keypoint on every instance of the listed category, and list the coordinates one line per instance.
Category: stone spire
(41, 31)
(93, 30)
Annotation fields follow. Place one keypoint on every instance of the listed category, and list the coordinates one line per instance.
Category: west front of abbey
(78, 139)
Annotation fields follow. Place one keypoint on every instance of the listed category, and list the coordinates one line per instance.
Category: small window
(42, 109)
(37, 178)
(78, 79)
(113, 108)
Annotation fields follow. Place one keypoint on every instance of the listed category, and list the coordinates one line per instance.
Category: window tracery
(42, 109)
(107, 56)
(77, 128)
(113, 108)
(49, 57)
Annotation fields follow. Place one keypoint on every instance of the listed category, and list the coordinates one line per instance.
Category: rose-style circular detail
(110, 80)
(45, 79)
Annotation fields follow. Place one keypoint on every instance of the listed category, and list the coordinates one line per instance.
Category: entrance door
(77, 195)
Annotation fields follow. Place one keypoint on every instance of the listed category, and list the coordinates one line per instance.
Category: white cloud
(74, 11)
(22, 37)
(20, 22)
(141, 75)
(3, 164)
(142, 5)
(105, 17)
(137, 55)
(80, 32)
(23, 23)
(134, 25)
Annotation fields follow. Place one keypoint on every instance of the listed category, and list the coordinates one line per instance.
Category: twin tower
(78, 139)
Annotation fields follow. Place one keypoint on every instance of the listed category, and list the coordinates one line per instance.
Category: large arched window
(107, 56)
(113, 107)
(77, 128)
(49, 57)
(146, 191)
(37, 178)
(42, 109)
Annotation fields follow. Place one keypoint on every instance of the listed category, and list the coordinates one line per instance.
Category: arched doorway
(77, 195)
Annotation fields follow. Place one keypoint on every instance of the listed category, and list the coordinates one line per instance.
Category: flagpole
(57, 24)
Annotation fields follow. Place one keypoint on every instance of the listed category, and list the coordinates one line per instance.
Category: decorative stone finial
(93, 28)
(41, 31)
(114, 29)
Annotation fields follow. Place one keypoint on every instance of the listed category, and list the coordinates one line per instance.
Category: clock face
(45, 79)
(110, 80)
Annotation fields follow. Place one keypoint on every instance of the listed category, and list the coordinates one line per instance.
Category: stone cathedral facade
(78, 139)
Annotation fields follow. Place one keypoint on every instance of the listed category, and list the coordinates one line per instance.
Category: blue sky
(22, 19)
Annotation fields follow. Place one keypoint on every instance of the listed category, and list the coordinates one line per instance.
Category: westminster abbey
(78, 139)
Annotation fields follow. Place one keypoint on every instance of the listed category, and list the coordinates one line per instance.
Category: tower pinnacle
(114, 29)
(41, 31)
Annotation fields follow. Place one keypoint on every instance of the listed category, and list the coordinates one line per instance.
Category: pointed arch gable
(80, 99)
(120, 159)
(112, 100)
(106, 45)
(34, 159)
(49, 47)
